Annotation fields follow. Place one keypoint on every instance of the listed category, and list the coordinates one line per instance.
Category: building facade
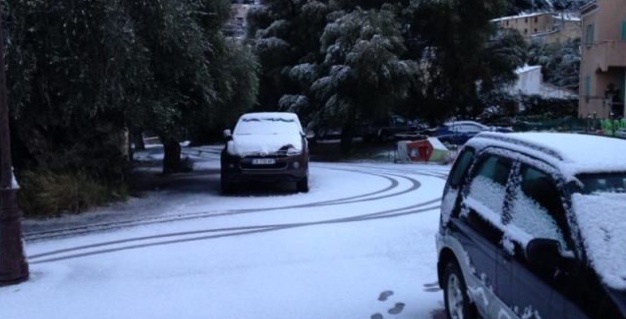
(603, 60)
(543, 27)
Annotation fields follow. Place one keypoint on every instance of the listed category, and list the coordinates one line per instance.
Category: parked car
(387, 129)
(265, 147)
(459, 132)
(532, 226)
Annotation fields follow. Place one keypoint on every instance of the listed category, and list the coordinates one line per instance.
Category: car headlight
(290, 150)
(293, 152)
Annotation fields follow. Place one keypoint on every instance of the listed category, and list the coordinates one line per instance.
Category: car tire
(302, 186)
(456, 300)
(227, 187)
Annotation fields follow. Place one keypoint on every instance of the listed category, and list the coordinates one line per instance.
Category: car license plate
(263, 161)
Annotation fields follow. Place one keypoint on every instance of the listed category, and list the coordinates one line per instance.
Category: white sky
(288, 262)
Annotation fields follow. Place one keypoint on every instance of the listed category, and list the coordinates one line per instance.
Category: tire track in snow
(182, 237)
(372, 196)
(206, 234)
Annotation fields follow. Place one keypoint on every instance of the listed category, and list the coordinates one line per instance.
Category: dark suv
(533, 225)
(265, 147)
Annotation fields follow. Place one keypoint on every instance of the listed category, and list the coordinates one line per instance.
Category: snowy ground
(184, 251)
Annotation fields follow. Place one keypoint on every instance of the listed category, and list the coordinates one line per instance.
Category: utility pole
(13, 266)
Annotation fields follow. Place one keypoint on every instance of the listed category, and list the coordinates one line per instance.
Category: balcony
(605, 54)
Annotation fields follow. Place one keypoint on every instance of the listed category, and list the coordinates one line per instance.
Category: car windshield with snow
(265, 147)
(532, 226)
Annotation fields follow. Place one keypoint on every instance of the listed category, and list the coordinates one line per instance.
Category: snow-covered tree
(462, 55)
(365, 75)
(88, 69)
(285, 35)
(560, 62)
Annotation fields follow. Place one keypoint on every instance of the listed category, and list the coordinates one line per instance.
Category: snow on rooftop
(521, 15)
(527, 68)
(557, 15)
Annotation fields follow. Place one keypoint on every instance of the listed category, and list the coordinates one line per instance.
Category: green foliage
(339, 63)
(81, 73)
(365, 74)
(560, 62)
(238, 87)
(463, 56)
(285, 34)
(44, 193)
(549, 108)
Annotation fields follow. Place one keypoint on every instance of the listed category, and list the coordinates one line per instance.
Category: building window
(526, 20)
(589, 34)
(535, 30)
(536, 19)
(525, 31)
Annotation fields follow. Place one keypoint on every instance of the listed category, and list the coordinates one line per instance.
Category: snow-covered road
(363, 228)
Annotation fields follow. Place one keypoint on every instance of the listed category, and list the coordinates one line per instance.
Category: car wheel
(458, 305)
(303, 185)
(383, 136)
(227, 187)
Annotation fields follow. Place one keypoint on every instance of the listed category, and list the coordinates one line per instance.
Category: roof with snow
(527, 68)
(522, 15)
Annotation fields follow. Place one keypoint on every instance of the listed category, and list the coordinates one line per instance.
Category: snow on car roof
(572, 153)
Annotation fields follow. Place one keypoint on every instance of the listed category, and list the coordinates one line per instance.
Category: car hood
(245, 145)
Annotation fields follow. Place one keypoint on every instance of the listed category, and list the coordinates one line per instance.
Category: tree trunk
(345, 143)
(171, 159)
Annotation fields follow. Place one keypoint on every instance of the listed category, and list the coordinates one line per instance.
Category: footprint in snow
(396, 309)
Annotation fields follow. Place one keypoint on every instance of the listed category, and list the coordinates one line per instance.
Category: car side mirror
(309, 134)
(543, 253)
(227, 134)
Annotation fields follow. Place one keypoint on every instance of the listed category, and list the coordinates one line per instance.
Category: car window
(460, 166)
(488, 186)
(603, 183)
(469, 128)
(537, 208)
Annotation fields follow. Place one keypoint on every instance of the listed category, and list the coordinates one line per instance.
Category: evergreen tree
(364, 76)
(285, 35)
(462, 55)
(88, 69)
(72, 69)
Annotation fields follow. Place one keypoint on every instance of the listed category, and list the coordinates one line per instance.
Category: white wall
(529, 80)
